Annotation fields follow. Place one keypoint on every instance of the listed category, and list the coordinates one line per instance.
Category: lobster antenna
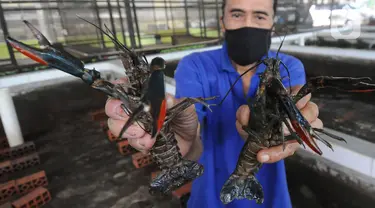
(144, 57)
(237, 81)
(114, 40)
(114, 37)
(110, 32)
(282, 42)
(273, 25)
(277, 55)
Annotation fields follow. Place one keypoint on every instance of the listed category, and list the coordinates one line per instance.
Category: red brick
(154, 174)
(111, 137)
(141, 160)
(124, 148)
(98, 115)
(17, 151)
(31, 182)
(5, 168)
(182, 190)
(25, 162)
(37, 198)
(7, 190)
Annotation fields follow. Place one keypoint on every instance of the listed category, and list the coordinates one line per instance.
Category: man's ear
(222, 28)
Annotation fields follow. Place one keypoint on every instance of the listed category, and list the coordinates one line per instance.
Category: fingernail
(264, 158)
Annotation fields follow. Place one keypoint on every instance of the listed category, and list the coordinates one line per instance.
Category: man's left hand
(274, 154)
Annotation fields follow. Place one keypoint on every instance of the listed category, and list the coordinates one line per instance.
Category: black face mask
(247, 45)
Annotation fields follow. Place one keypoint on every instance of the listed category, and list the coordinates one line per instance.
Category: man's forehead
(250, 5)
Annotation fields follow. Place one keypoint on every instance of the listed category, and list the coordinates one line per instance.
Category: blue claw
(53, 57)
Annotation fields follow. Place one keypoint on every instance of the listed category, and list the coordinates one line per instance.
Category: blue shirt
(211, 73)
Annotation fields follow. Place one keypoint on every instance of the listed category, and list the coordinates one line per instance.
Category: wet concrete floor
(350, 113)
(86, 170)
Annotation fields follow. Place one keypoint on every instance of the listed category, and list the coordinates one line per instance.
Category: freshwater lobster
(272, 106)
(143, 99)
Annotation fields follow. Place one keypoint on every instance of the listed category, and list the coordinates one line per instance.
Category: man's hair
(274, 6)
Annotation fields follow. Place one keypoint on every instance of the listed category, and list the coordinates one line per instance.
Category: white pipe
(9, 119)
(301, 41)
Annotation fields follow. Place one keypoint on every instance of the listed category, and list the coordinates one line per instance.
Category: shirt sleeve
(189, 83)
(296, 72)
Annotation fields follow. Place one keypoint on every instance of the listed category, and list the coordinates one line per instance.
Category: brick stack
(19, 188)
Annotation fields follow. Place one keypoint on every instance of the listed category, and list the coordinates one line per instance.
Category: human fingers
(137, 138)
(114, 110)
(242, 115)
(317, 124)
(310, 111)
(240, 130)
(303, 101)
(242, 119)
(143, 144)
(134, 131)
(113, 106)
(275, 154)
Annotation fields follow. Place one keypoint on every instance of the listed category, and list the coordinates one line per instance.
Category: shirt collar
(227, 66)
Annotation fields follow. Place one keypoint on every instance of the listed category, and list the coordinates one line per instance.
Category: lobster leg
(136, 114)
(329, 134)
(293, 134)
(175, 110)
(346, 84)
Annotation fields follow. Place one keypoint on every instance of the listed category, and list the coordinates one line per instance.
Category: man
(218, 143)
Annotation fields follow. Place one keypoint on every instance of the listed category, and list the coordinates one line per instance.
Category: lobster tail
(242, 187)
(172, 178)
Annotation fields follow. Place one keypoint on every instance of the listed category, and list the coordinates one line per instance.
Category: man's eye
(260, 18)
(236, 15)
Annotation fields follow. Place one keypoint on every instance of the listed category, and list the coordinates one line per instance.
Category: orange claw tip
(27, 53)
(306, 137)
(163, 113)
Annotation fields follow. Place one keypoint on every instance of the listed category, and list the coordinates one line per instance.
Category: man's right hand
(185, 125)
